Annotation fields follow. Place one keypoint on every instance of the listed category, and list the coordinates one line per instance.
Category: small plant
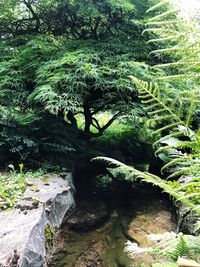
(13, 185)
(21, 166)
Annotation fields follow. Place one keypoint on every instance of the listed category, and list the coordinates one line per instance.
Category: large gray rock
(22, 234)
(54, 192)
(47, 200)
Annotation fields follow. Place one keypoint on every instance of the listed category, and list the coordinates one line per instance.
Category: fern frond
(152, 93)
(190, 111)
(164, 14)
(188, 186)
(155, 111)
(181, 250)
(165, 22)
(169, 50)
(108, 162)
(171, 164)
(189, 196)
(124, 172)
(163, 39)
(178, 63)
(178, 76)
(157, 6)
(167, 127)
(177, 174)
(178, 125)
(163, 139)
(161, 31)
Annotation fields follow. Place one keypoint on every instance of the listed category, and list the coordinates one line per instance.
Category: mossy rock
(49, 236)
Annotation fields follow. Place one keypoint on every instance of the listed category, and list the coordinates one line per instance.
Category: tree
(88, 80)
(71, 57)
(73, 76)
(74, 19)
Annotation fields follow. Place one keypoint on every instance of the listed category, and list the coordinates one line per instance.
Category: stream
(95, 235)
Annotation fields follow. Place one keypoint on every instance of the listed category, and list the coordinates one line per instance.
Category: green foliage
(180, 245)
(127, 173)
(65, 78)
(49, 237)
(13, 185)
(179, 38)
(18, 70)
(181, 250)
(87, 75)
(66, 58)
(14, 136)
(82, 19)
(173, 115)
(78, 19)
(180, 143)
(34, 138)
(103, 181)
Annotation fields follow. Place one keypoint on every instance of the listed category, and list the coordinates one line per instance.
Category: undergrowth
(13, 185)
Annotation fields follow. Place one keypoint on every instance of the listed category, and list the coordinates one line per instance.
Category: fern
(170, 118)
(124, 172)
(189, 198)
(181, 250)
(181, 37)
(171, 112)
(168, 248)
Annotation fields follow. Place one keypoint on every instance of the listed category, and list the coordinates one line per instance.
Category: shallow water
(130, 219)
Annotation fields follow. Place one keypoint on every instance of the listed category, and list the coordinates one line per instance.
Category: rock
(154, 218)
(54, 192)
(92, 257)
(23, 235)
(187, 219)
(69, 178)
(47, 200)
(147, 223)
(187, 263)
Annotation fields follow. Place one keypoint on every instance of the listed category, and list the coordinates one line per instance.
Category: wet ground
(102, 243)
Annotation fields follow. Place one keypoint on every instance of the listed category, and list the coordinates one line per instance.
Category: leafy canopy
(74, 19)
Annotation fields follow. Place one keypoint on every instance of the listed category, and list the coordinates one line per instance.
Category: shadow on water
(95, 235)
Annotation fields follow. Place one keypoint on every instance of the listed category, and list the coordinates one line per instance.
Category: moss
(49, 236)
(45, 179)
(35, 203)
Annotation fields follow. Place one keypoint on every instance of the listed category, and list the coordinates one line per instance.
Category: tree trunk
(88, 119)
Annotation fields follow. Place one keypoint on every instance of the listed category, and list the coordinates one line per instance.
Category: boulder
(22, 236)
(46, 201)
(187, 218)
(56, 195)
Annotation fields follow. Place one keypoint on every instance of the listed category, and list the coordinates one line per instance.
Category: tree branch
(34, 15)
(109, 123)
(97, 126)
